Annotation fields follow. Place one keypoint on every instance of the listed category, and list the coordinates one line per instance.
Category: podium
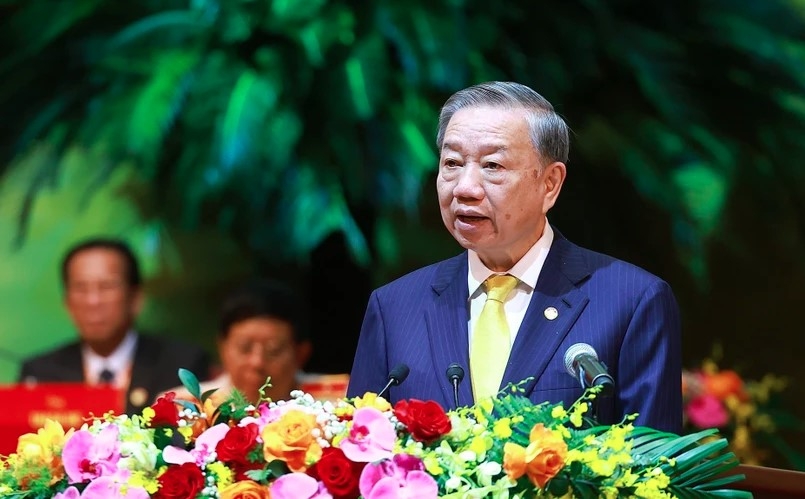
(71, 404)
(325, 386)
(770, 483)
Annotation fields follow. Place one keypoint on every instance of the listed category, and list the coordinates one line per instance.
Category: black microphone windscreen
(455, 371)
(399, 373)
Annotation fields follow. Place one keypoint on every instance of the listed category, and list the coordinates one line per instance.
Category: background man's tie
(106, 377)
(491, 340)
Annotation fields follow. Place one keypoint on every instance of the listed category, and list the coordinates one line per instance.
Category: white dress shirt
(118, 362)
(526, 270)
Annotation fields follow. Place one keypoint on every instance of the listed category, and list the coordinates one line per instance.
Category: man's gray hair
(549, 132)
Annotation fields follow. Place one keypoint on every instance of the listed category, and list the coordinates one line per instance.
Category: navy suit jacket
(629, 316)
(154, 369)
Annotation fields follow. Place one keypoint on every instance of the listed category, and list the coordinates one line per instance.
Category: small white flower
(452, 483)
(468, 455)
(489, 468)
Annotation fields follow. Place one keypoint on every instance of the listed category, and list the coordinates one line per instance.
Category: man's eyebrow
(457, 147)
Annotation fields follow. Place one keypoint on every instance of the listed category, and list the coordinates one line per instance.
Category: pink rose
(706, 411)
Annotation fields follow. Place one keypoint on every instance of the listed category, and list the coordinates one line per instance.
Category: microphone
(581, 361)
(455, 373)
(396, 376)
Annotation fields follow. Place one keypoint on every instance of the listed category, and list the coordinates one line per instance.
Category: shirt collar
(527, 269)
(119, 359)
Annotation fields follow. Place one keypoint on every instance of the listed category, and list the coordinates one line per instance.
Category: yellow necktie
(491, 341)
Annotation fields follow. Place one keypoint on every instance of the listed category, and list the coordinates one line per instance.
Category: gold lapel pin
(138, 396)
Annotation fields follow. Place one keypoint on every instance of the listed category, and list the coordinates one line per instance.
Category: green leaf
(190, 382)
(252, 98)
(170, 21)
(159, 102)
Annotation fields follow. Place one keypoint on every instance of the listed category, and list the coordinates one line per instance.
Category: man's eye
(492, 166)
(450, 163)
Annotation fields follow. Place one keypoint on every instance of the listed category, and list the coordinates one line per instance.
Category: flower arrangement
(505, 447)
(744, 411)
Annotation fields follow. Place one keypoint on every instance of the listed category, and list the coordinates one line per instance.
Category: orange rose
(246, 489)
(725, 383)
(540, 461)
(291, 439)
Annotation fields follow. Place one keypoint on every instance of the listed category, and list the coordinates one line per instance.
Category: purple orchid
(204, 447)
(371, 437)
(87, 456)
(402, 477)
(298, 486)
(108, 488)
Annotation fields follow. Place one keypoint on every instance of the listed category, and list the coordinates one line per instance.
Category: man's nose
(469, 183)
(93, 296)
(256, 357)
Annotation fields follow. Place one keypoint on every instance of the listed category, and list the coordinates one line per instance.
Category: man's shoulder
(424, 277)
(55, 355)
(152, 341)
(605, 266)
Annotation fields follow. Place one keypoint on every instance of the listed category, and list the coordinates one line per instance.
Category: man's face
(257, 348)
(98, 297)
(493, 193)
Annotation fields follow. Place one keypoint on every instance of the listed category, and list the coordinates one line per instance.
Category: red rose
(238, 442)
(426, 421)
(184, 481)
(165, 411)
(337, 473)
(240, 469)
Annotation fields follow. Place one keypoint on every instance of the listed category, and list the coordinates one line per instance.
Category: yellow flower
(480, 444)
(616, 438)
(44, 447)
(246, 489)
(147, 415)
(558, 412)
(627, 479)
(577, 412)
(432, 465)
(186, 432)
(291, 439)
(602, 467)
(372, 400)
(502, 428)
(140, 479)
(223, 474)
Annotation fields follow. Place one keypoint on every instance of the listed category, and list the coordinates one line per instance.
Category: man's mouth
(470, 218)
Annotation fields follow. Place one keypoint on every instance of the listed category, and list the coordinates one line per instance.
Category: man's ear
(553, 176)
(303, 351)
(137, 301)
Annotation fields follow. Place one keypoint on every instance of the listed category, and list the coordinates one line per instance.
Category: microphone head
(455, 371)
(574, 352)
(399, 373)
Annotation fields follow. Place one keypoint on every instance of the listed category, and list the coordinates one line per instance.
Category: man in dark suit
(511, 306)
(103, 295)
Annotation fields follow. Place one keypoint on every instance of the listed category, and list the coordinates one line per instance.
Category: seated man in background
(103, 295)
(261, 334)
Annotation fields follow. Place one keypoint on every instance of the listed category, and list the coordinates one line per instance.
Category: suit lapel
(142, 372)
(71, 364)
(446, 321)
(539, 337)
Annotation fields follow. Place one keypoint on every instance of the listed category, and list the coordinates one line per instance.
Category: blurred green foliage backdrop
(294, 138)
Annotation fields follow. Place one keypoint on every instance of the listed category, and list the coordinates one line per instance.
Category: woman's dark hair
(263, 298)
